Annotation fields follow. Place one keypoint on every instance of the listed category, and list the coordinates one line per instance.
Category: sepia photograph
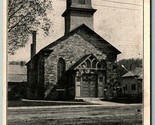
(76, 62)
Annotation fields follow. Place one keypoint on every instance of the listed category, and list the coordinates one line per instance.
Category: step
(88, 99)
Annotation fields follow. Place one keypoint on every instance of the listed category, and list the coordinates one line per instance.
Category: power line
(121, 2)
(116, 7)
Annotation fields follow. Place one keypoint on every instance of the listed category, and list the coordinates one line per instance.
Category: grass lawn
(76, 115)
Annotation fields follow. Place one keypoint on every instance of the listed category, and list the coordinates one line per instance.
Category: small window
(82, 1)
(133, 87)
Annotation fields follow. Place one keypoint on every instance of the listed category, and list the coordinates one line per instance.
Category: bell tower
(78, 12)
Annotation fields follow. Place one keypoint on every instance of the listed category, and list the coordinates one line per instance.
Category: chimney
(33, 45)
(78, 12)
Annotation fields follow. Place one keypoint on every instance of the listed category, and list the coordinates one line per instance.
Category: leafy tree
(23, 17)
(129, 64)
(116, 71)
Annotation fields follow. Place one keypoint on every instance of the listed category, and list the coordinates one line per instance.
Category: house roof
(17, 73)
(17, 78)
(141, 76)
(138, 72)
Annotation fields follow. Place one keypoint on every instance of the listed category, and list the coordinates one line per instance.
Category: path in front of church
(128, 114)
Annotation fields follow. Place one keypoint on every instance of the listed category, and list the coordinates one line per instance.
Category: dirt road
(76, 115)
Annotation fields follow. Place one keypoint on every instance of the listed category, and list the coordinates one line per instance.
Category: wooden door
(89, 85)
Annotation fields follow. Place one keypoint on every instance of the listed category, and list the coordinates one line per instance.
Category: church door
(89, 85)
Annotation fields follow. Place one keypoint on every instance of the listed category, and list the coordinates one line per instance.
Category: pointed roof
(138, 72)
(104, 45)
(83, 59)
(87, 30)
(75, 65)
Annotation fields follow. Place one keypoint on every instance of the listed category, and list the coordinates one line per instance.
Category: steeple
(78, 12)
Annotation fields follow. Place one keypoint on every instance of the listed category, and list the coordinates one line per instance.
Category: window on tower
(82, 1)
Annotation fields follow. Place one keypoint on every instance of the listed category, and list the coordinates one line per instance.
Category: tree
(129, 64)
(116, 71)
(23, 17)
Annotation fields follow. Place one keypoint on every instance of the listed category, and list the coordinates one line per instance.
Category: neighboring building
(74, 66)
(132, 82)
(17, 81)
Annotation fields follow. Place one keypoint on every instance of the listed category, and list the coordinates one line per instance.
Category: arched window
(94, 64)
(88, 63)
(61, 67)
(99, 65)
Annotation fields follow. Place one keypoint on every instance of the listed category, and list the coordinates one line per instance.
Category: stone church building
(75, 65)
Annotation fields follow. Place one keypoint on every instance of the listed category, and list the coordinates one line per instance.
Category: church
(75, 65)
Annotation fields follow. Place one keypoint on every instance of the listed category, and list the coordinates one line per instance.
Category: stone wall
(35, 78)
(42, 71)
(71, 50)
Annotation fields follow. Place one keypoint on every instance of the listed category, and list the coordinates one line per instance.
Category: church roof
(79, 9)
(41, 52)
(104, 45)
(84, 28)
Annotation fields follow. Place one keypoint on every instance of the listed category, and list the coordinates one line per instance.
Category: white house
(132, 82)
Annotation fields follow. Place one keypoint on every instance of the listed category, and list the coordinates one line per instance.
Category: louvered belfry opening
(78, 12)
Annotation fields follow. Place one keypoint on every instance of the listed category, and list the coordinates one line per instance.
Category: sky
(119, 22)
